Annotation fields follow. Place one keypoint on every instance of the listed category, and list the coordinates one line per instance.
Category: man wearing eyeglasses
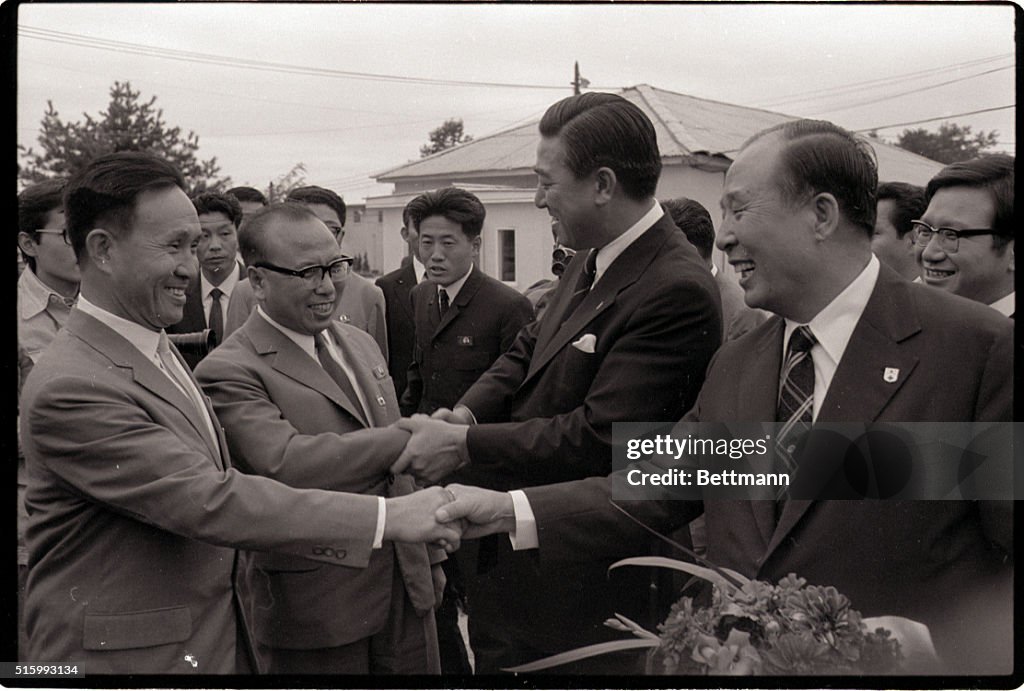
(307, 400)
(964, 241)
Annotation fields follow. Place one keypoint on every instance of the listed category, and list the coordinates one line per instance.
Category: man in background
(899, 205)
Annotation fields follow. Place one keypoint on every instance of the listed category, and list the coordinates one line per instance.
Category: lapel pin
(379, 372)
(465, 340)
(343, 318)
(891, 374)
(380, 401)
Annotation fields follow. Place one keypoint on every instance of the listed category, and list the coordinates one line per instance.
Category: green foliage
(444, 137)
(128, 124)
(950, 144)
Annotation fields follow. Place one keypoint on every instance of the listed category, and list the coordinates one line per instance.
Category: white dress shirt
(227, 286)
(419, 271)
(610, 252)
(1006, 306)
(454, 287)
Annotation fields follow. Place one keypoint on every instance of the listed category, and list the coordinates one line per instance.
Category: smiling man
(965, 238)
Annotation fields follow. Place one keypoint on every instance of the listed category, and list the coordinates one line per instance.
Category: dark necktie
(796, 396)
(335, 371)
(583, 283)
(442, 301)
(216, 322)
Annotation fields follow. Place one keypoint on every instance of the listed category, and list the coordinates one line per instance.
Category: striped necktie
(796, 395)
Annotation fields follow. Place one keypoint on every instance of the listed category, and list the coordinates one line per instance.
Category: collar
(610, 252)
(418, 269)
(34, 295)
(304, 341)
(1006, 305)
(454, 287)
(834, 324)
(226, 286)
(145, 340)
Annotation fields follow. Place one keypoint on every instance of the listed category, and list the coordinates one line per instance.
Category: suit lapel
(292, 361)
(382, 411)
(466, 294)
(405, 283)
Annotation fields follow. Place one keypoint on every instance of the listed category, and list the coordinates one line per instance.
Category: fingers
(444, 414)
(402, 462)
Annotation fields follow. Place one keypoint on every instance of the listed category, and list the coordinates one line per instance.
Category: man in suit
(798, 208)
(626, 336)
(899, 205)
(965, 237)
(286, 419)
(361, 303)
(219, 271)
(396, 287)
(464, 318)
(134, 509)
(695, 222)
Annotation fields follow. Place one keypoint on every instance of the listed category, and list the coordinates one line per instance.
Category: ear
(257, 281)
(605, 185)
(405, 234)
(100, 244)
(27, 244)
(825, 208)
(476, 246)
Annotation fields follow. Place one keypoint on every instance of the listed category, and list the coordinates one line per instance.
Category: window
(357, 216)
(507, 255)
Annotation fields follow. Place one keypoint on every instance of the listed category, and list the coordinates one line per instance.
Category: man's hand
(461, 415)
(434, 450)
(483, 511)
(411, 518)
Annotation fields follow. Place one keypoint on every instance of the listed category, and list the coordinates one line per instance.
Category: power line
(941, 117)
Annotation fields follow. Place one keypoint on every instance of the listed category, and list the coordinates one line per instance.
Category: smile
(322, 308)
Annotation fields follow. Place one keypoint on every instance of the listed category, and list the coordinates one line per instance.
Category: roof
(686, 126)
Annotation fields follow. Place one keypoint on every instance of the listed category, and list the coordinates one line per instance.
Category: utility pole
(578, 82)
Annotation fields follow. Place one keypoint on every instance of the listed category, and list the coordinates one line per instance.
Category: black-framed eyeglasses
(949, 238)
(63, 232)
(314, 275)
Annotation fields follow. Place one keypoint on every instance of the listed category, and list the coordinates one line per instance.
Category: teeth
(935, 273)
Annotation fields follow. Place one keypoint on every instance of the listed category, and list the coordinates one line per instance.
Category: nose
(932, 252)
(539, 198)
(214, 242)
(725, 239)
(325, 286)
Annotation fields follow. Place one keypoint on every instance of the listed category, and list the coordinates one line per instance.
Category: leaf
(686, 567)
(582, 654)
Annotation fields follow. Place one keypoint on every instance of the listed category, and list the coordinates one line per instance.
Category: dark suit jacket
(133, 515)
(452, 352)
(285, 419)
(194, 317)
(396, 287)
(546, 410)
(913, 559)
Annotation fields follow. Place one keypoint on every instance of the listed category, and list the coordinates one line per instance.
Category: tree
(445, 137)
(950, 144)
(279, 189)
(128, 124)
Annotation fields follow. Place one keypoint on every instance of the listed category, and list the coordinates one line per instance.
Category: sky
(350, 90)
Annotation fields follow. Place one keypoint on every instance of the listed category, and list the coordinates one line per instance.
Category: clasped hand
(435, 448)
(443, 516)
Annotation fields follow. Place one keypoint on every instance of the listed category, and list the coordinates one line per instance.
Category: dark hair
(312, 194)
(453, 203)
(106, 190)
(252, 235)
(405, 213)
(908, 204)
(992, 172)
(34, 204)
(247, 194)
(823, 157)
(212, 202)
(695, 222)
(600, 129)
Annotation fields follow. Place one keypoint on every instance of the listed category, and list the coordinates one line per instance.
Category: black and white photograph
(490, 345)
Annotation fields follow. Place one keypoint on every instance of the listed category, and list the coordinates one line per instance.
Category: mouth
(323, 309)
(936, 275)
(744, 268)
(178, 294)
(437, 270)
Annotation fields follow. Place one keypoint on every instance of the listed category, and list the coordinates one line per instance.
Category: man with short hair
(249, 199)
(695, 222)
(899, 204)
(209, 292)
(396, 287)
(306, 400)
(627, 336)
(361, 303)
(880, 349)
(965, 238)
(135, 510)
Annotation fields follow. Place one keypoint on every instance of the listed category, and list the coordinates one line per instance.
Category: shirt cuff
(382, 517)
(525, 535)
(472, 417)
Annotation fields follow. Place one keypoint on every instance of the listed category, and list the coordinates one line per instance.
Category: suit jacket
(644, 334)
(737, 318)
(134, 514)
(194, 317)
(917, 559)
(284, 418)
(396, 287)
(452, 352)
(361, 305)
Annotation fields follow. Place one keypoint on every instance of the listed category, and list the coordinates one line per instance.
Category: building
(697, 138)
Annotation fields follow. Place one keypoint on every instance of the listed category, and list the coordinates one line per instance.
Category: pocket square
(585, 343)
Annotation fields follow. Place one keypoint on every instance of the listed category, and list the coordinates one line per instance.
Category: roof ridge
(725, 103)
(686, 141)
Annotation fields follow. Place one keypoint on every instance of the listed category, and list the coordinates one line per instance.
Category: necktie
(216, 315)
(335, 371)
(442, 301)
(796, 396)
(173, 370)
(583, 284)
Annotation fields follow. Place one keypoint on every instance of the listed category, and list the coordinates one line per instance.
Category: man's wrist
(461, 445)
(465, 414)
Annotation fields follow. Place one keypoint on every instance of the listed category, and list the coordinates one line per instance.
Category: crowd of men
(242, 457)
